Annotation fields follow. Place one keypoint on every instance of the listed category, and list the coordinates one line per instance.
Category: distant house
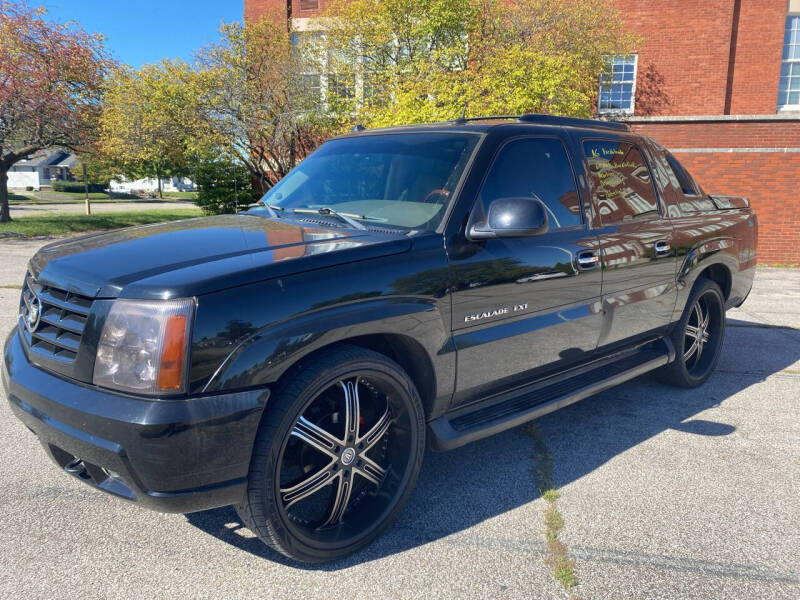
(150, 185)
(42, 168)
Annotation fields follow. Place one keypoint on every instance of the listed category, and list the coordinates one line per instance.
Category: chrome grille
(61, 322)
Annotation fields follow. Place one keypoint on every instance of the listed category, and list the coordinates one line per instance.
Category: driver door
(526, 306)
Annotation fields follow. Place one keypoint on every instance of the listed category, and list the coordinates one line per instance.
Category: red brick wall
(757, 60)
(685, 57)
(770, 181)
(256, 9)
(727, 134)
(685, 47)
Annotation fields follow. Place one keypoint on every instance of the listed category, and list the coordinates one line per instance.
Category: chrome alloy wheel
(696, 335)
(345, 459)
(702, 334)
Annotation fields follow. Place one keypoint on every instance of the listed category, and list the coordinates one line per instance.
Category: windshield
(398, 179)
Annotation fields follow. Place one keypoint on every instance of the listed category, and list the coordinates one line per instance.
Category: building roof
(49, 158)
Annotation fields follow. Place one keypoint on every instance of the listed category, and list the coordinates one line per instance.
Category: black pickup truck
(401, 288)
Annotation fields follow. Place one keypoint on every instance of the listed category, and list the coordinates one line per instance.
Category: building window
(618, 85)
(789, 88)
(309, 4)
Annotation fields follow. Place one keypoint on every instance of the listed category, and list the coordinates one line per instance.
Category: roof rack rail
(571, 121)
(486, 118)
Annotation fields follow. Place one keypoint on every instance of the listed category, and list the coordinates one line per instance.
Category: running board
(486, 418)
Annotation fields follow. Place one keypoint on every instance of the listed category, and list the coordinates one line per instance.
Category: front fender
(249, 336)
(262, 358)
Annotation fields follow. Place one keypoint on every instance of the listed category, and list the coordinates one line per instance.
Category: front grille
(62, 318)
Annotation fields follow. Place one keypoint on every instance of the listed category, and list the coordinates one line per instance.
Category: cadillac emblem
(34, 312)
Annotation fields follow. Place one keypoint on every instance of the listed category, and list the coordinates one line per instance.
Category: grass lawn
(59, 224)
(180, 195)
(49, 197)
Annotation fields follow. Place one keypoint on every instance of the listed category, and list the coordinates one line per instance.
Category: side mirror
(511, 217)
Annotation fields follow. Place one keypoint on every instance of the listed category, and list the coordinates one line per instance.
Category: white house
(41, 168)
(169, 184)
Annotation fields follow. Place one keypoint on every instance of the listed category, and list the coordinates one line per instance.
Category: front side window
(618, 85)
(789, 87)
(403, 180)
(535, 168)
(621, 182)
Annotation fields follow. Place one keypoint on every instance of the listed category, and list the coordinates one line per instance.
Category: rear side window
(535, 168)
(685, 180)
(623, 186)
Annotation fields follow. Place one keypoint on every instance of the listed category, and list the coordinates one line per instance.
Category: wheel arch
(721, 275)
(402, 349)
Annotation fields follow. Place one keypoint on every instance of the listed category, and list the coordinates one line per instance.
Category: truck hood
(197, 256)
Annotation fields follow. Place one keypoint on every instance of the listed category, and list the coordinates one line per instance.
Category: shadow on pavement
(464, 487)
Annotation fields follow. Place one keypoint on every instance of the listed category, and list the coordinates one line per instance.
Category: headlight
(143, 346)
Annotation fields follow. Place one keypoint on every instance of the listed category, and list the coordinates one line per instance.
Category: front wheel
(336, 455)
(697, 337)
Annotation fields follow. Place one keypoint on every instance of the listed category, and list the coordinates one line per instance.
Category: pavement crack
(561, 565)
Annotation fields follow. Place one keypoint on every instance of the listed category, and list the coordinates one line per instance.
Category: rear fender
(718, 251)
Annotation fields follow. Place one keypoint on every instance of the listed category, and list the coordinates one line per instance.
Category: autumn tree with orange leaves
(51, 82)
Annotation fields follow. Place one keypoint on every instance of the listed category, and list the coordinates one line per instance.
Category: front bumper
(167, 455)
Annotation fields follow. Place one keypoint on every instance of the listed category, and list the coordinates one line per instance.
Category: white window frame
(789, 61)
(619, 111)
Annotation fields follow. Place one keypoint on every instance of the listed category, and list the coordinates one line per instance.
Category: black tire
(296, 463)
(695, 360)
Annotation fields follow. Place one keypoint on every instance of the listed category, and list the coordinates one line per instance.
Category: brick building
(715, 81)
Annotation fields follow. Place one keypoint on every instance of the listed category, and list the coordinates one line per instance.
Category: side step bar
(486, 418)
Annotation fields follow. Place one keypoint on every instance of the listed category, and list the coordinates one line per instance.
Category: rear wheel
(336, 456)
(697, 337)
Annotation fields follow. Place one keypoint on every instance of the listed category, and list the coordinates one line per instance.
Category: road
(664, 493)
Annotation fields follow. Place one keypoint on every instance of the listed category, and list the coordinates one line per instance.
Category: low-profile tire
(697, 337)
(336, 456)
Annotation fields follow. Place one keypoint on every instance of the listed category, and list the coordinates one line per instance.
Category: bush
(76, 187)
(28, 188)
(223, 187)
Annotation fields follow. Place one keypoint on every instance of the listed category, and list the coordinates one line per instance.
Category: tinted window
(404, 180)
(684, 179)
(622, 184)
(535, 168)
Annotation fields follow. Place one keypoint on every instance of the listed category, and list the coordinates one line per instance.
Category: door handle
(662, 248)
(587, 260)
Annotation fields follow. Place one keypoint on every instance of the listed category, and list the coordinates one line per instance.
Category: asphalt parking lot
(664, 494)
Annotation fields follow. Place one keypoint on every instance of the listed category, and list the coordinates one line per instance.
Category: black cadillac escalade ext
(414, 286)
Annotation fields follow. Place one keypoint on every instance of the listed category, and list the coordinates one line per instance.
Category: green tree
(224, 185)
(255, 106)
(425, 60)
(149, 124)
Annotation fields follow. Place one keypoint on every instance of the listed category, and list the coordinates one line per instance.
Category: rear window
(621, 182)
(685, 181)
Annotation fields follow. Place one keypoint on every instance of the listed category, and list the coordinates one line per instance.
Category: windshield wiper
(345, 217)
(272, 209)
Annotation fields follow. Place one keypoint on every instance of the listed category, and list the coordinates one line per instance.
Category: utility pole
(86, 189)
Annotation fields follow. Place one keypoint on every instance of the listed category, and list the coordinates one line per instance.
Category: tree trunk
(158, 175)
(5, 211)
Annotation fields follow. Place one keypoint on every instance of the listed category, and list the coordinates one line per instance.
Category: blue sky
(145, 31)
